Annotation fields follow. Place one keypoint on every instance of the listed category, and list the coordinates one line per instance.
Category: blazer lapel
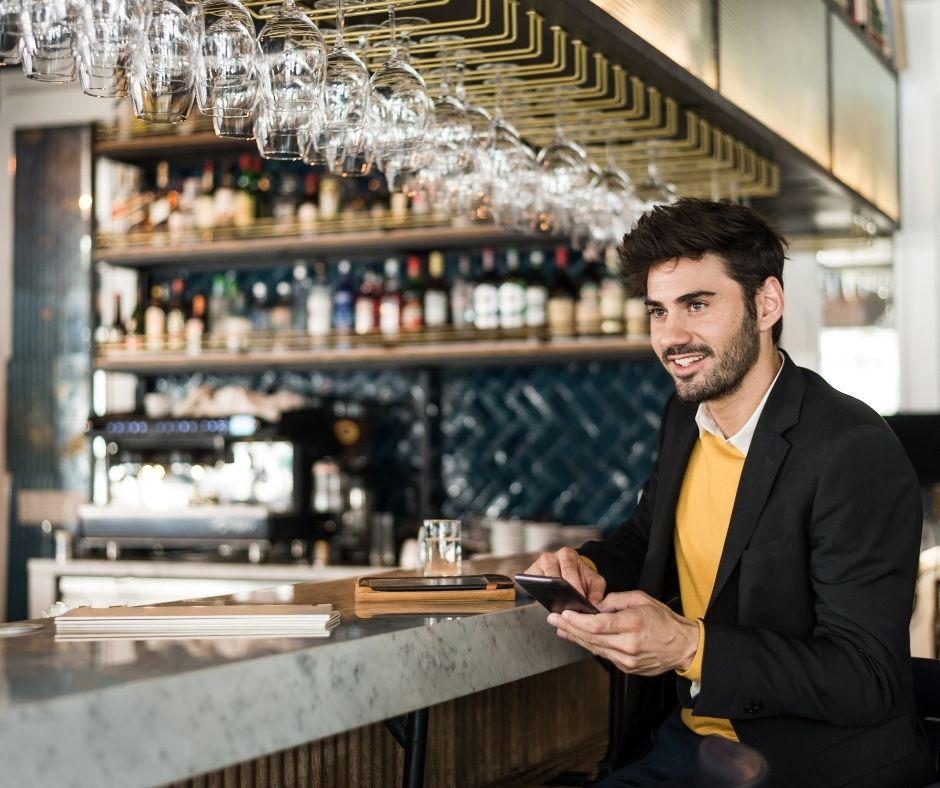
(764, 457)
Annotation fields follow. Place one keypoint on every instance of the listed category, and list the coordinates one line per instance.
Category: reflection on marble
(150, 712)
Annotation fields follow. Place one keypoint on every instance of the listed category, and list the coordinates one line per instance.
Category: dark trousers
(670, 762)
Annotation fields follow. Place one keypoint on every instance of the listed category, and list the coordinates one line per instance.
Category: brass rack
(519, 64)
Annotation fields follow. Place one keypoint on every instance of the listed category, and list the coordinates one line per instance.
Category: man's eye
(696, 306)
(656, 311)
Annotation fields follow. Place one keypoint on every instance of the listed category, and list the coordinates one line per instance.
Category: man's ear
(769, 302)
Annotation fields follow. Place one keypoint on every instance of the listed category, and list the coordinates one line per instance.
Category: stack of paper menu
(197, 621)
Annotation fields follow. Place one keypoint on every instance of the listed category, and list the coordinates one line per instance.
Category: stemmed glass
(404, 112)
(47, 41)
(227, 59)
(163, 65)
(337, 133)
(106, 34)
(292, 64)
(11, 32)
(654, 190)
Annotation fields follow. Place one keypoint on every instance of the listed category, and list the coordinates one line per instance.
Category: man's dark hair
(749, 246)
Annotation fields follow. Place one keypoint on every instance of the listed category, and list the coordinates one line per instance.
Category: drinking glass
(278, 133)
(163, 65)
(11, 32)
(405, 112)
(47, 41)
(106, 34)
(227, 59)
(654, 190)
(439, 548)
(239, 128)
(292, 61)
(341, 126)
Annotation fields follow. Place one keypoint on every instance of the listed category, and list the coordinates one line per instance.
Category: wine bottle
(512, 294)
(561, 299)
(486, 294)
(435, 295)
(412, 297)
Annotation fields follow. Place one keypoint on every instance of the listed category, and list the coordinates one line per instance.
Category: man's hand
(634, 631)
(567, 563)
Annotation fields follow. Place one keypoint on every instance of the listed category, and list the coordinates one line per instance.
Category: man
(762, 589)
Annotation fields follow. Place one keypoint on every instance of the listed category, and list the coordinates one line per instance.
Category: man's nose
(672, 331)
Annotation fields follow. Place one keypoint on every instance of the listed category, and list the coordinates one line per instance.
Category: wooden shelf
(474, 353)
(353, 243)
(154, 146)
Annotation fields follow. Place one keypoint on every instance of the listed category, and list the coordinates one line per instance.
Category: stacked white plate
(197, 621)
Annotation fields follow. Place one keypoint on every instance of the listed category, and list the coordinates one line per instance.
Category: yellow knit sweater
(703, 514)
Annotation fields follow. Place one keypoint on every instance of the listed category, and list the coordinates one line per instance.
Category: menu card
(197, 621)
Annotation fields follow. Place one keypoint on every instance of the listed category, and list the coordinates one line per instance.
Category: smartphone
(450, 583)
(555, 593)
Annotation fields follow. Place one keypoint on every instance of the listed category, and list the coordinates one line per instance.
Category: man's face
(701, 327)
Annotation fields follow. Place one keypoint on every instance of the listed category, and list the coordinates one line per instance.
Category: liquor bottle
(301, 288)
(390, 306)
(155, 320)
(204, 206)
(328, 197)
(135, 323)
(435, 296)
(562, 297)
(587, 311)
(159, 209)
(536, 292)
(486, 295)
(196, 325)
(412, 297)
(612, 294)
(175, 318)
(223, 201)
(281, 315)
(259, 313)
(461, 295)
(116, 329)
(344, 299)
(307, 211)
(512, 293)
(320, 303)
(285, 202)
(243, 200)
(264, 208)
(218, 305)
(368, 302)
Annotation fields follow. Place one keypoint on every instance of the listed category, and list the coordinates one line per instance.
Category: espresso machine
(230, 486)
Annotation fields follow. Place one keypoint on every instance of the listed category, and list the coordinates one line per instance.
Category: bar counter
(143, 713)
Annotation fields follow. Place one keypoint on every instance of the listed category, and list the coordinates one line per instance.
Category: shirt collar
(741, 440)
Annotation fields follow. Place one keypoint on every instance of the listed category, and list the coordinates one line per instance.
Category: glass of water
(439, 547)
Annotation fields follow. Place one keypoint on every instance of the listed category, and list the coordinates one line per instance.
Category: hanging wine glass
(47, 41)
(227, 59)
(338, 133)
(238, 128)
(163, 65)
(293, 60)
(11, 32)
(405, 112)
(654, 189)
(105, 35)
(451, 132)
(564, 163)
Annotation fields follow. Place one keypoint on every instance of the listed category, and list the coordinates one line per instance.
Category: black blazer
(806, 634)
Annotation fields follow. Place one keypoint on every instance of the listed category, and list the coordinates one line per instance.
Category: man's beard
(726, 375)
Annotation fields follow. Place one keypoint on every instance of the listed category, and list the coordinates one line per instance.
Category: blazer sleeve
(863, 542)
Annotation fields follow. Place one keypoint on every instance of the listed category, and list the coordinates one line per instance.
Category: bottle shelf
(349, 234)
(148, 146)
(418, 350)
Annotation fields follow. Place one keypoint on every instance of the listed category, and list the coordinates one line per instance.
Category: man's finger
(624, 600)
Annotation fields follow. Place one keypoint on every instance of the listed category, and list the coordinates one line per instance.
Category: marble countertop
(101, 567)
(141, 713)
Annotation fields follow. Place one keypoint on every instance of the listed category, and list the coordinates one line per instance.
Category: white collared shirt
(741, 440)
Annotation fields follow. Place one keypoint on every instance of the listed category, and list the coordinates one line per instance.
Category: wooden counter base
(516, 734)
